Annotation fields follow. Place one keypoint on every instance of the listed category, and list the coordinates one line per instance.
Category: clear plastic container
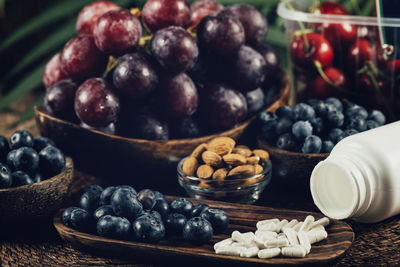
(358, 67)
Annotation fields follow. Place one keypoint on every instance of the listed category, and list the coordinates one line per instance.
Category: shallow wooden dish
(98, 152)
(38, 200)
(242, 218)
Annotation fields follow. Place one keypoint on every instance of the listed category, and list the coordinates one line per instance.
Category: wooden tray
(242, 218)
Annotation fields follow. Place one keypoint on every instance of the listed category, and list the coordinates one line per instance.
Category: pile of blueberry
(316, 126)
(120, 212)
(29, 160)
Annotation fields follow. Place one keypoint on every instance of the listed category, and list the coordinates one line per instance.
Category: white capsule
(318, 227)
(291, 235)
(290, 224)
(269, 253)
(316, 235)
(249, 252)
(306, 224)
(296, 251)
(260, 223)
(259, 242)
(271, 226)
(242, 237)
(276, 243)
(225, 242)
(265, 235)
(281, 224)
(323, 222)
(304, 241)
(230, 250)
(297, 226)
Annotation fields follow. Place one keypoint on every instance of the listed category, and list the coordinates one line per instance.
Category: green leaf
(368, 9)
(31, 81)
(52, 14)
(48, 45)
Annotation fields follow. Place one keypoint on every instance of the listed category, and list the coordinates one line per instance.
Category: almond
(198, 151)
(234, 159)
(242, 150)
(189, 166)
(259, 169)
(211, 158)
(242, 171)
(253, 160)
(204, 171)
(264, 155)
(221, 145)
(220, 174)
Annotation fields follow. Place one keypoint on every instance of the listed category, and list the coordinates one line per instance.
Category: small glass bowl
(244, 190)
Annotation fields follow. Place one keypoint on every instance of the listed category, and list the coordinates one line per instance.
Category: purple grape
(135, 75)
(59, 99)
(53, 72)
(273, 70)
(174, 49)
(202, 8)
(96, 104)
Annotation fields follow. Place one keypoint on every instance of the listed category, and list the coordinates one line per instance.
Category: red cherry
(339, 35)
(319, 88)
(53, 73)
(319, 50)
(371, 96)
(359, 53)
(333, 8)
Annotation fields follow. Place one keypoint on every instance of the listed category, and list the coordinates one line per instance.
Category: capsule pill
(260, 223)
(265, 235)
(323, 221)
(307, 224)
(316, 235)
(290, 224)
(225, 242)
(296, 251)
(249, 252)
(297, 226)
(271, 226)
(280, 225)
(230, 250)
(291, 235)
(304, 241)
(276, 243)
(269, 253)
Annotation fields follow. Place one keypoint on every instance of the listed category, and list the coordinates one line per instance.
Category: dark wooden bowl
(292, 168)
(38, 200)
(110, 155)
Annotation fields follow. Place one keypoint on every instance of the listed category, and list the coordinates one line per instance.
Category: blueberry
(126, 204)
(148, 229)
(302, 129)
(158, 195)
(10, 160)
(21, 178)
(319, 106)
(371, 124)
(335, 135)
(182, 206)
(26, 159)
(81, 220)
(102, 211)
(4, 148)
(218, 219)
(318, 126)
(161, 207)
(51, 161)
(283, 125)
(66, 216)
(90, 200)
(356, 110)
(330, 108)
(113, 227)
(268, 132)
(335, 118)
(377, 116)
(130, 188)
(147, 198)
(287, 141)
(334, 102)
(93, 188)
(105, 196)
(285, 112)
(41, 142)
(349, 132)
(312, 144)
(327, 146)
(196, 211)
(37, 178)
(356, 123)
(303, 112)
(174, 223)
(5, 176)
(266, 117)
(21, 138)
(198, 231)
(152, 213)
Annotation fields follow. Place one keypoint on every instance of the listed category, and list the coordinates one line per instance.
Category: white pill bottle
(361, 177)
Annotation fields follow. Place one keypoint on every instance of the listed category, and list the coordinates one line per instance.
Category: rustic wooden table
(33, 244)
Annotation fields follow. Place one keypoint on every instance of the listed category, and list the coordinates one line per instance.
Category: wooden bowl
(292, 168)
(38, 200)
(110, 155)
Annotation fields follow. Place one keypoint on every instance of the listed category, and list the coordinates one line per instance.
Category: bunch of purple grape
(192, 70)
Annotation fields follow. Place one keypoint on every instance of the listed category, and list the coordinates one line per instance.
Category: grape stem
(112, 62)
(301, 25)
(144, 39)
(136, 12)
